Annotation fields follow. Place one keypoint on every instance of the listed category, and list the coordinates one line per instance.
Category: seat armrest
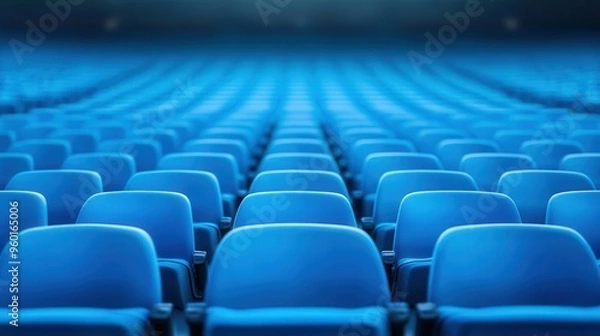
(389, 263)
(427, 316)
(200, 270)
(225, 223)
(195, 315)
(367, 223)
(398, 316)
(161, 319)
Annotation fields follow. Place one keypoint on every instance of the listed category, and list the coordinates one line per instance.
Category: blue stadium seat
(363, 148)
(108, 131)
(302, 161)
(424, 216)
(37, 131)
(302, 180)
(11, 165)
(297, 145)
(451, 152)
(236, 148)
(112, 276)
(395, 185)
(168, 139)
(486, 169)
(428, 140)
(7, 138)
(65, 190)
(234, 133)
(223, 166)
(510, 141)
(532, 189)
(589, 140)
(527, 289)
(376, 165)
(46, 154)
(586, 163)
(114, 169)
(23, 210)
(202, 190)
(81, 141)
(298, 132)
(167, 218)
(146, 153)
(293, 207)
(547, 154)
(580, 211)
(246, 295)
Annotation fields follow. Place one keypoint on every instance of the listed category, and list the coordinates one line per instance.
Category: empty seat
(428, 140)
(296, 145)
(223, 166)
(547, 154)
(236, 148)
(303, 180)
(11, 165)
(510, 141)
(37, 131)
(589, 140)
(146, 153)
(114, 169)
(298, 132)
(514, 280)
(294, 207)
(363, 148)
(246, 295)
(65, 190)
(167, 218)
(395, 185)
(203, 192)
(586, 163)
(451, 152)
(23, 210)
(424, 216)
(532, 189)
(580, 211)
(109, 131)
(46, 154)
(7, 138)
(168, 139)
(486, 169)
(81, 141)
(300, 161)
(82, 280)
(376, 165)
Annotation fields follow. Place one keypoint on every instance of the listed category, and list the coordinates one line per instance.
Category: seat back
(301, 180)
(315, 266)
(395, 185)
(424, 216)
(106, 267)
(363, 148)
(166, 216)
(65, 190)
(587, 164)
(486, 169)
(513, 265)
(532, 189)
(114, 169)
(236, 148)
(223, 166)
(302, 161)
(24, 210)
(201, 189)
(547, 154)
(451, 152)
(294, 207)
(580, 211)
(12, 164)
(46, 154)
(146, 153)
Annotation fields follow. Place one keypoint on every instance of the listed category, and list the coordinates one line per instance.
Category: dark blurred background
(242, 17)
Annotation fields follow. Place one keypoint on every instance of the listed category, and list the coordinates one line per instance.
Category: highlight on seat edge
(299, 168)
